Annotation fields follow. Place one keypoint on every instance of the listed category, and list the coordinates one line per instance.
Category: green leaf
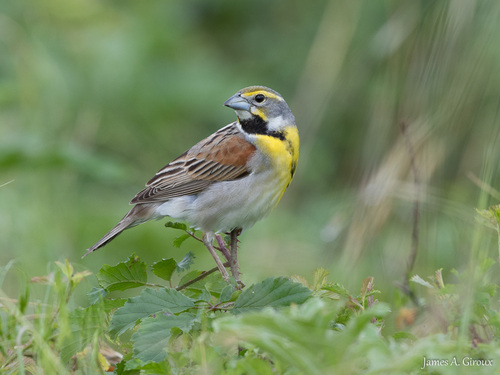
(164, 268)
(24, 299)
(125, 275)
(176, 225)
(85, 325)
(186, 262)
(151, 339)
(189, 276)
(148, 368)
(113, 304)
(398, 336)
(294, 336)
(95, 295)
(202, 295)
(179, 240)
(319, 278)
(272, 292)
(252, 365)
(213, 283)
(226, 293)
(337, 288)
(150, 301)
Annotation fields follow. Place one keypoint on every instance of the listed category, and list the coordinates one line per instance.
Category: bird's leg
(233, 261)
(222, 246)
(208, 239)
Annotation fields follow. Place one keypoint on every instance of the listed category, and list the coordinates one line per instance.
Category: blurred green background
(96, 96)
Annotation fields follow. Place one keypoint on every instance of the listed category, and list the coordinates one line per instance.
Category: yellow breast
(283, 154)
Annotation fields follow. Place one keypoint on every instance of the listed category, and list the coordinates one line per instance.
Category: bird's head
(261, 110)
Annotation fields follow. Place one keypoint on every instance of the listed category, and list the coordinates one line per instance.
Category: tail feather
(108, 237)
(137, 215)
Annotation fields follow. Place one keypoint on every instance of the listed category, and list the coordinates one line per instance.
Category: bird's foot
(208, 240)
(232, 255)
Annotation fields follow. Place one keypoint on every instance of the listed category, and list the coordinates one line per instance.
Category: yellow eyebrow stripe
(263, 92)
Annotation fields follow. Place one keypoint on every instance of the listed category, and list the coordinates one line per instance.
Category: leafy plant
(161, 316)
(197, 323)
(44, 336)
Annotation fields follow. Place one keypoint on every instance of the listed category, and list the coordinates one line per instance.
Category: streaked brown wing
(221, 157)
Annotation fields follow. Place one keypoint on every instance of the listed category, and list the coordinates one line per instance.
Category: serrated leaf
(337, 288)
(175, 225)
(179, 240)
(300, 279)
(125, 275)
(96, 294)
(164, 268)
(186, 262)
(272, 292)
(151, 339)
(319, 278)
(150, 301)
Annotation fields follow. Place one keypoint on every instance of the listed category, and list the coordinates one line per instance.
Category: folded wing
(223, 156)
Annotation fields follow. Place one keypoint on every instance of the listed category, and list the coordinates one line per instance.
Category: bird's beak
(237, 103)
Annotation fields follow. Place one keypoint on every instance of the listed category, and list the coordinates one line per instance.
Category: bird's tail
(137, 215)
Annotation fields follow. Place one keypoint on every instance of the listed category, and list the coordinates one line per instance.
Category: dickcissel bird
(228, 181)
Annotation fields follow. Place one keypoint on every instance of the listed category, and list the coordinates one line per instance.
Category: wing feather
(223, 156)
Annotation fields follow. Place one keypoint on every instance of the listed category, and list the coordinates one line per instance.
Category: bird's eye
(259, 98)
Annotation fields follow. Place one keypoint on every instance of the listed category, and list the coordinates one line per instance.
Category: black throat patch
(256, 125)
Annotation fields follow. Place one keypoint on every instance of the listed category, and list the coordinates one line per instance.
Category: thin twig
(416, 211)
(221, 306)
(202, 276)
(200, 240)
(192, 235)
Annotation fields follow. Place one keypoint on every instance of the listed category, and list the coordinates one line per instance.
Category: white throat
(276, 124)
(243, 115)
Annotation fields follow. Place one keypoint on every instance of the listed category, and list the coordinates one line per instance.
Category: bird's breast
(282, 154)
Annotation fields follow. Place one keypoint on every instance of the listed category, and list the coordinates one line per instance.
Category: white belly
(224, 206)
